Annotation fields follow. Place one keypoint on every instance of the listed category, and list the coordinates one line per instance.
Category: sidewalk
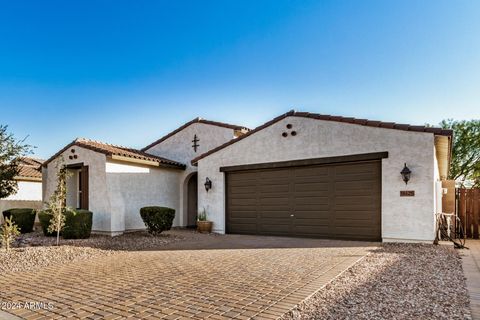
(471, 267)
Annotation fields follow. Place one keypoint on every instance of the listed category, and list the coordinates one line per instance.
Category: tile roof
(29, 161)
(196, 120)
(316, 116)
(114, 150)
(30, 168)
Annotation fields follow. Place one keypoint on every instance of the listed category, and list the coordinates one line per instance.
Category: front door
(192, 201)
(83, 188)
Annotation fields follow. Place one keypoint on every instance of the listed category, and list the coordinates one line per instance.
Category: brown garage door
(329, 201)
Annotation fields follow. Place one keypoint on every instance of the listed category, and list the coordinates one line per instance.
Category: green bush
(157, 219)
(78, 224)
(24, 218)
(45, 217)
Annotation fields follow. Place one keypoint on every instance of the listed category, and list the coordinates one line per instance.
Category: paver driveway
(259, 283)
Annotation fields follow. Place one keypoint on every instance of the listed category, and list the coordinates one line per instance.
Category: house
(114, 182)
(29, 181)
(300, 174)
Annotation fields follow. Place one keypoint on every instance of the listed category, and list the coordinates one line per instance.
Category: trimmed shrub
(78, 224)
(45, 217)
(24, 218)
(157, 219)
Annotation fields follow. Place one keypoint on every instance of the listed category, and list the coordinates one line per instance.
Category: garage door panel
(313, 231)
(274, 229)
(243, 214)
(306, 201)
(242, 228)
(276, 201)
(316, 187)
(329, 201)
(309, 172)
(311, 214)
(241, 190)
(243, 202)
(354, 200)
(265, 214)
(276, 188)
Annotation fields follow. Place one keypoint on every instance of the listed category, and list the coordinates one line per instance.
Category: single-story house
(300, 174)
(29, 181)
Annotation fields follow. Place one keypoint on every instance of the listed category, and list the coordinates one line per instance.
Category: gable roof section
(196, 120)
(120, 151)
(316, 116)
(30, 169)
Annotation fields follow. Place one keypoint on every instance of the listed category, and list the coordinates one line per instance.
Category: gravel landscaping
(33, 250)
(397, 281)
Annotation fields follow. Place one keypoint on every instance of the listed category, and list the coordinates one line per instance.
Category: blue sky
(127, 72)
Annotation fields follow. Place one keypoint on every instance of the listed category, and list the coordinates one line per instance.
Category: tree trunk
(58, 233)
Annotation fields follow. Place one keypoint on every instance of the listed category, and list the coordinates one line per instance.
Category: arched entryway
(192, 194)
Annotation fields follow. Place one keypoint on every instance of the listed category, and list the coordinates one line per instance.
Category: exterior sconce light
(405, 173)
(208, 184)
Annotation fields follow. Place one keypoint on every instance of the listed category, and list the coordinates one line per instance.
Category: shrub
(78, 224)
(157, 219)
(24, 218)
(45, 218)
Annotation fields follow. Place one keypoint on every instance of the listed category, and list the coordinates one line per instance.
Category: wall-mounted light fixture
(406, 174)
(208, 184)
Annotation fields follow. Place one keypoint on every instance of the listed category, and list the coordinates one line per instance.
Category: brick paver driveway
(241, 283)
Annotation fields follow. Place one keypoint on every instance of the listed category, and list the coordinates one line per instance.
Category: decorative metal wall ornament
(208, 184)
(195, 143)
(406, 172)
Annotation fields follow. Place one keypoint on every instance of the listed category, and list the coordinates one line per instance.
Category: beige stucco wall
(179, 147)
(117, 190)
(403, 218)
(99, 202)
(27, 190)
(131, 187)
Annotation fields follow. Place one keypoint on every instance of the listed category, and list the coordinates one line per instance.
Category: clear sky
(127, 72)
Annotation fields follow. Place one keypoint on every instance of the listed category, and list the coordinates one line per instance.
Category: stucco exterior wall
(99, 202)
(403, 218)
(27, 190)
(131, 187)
(179, 147)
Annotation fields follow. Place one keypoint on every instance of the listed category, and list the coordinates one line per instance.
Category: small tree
(8, 232)
(11, 150)
(466, 150)
(58, 199)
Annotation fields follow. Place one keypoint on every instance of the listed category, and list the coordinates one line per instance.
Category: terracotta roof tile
(362, 122)
(30, 168)
(196, 120)
(29, 172)
(110, 150)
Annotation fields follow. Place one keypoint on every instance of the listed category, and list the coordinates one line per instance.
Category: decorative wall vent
(289, 126)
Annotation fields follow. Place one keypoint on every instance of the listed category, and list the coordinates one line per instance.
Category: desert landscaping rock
(33, 250)
(396, 281)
